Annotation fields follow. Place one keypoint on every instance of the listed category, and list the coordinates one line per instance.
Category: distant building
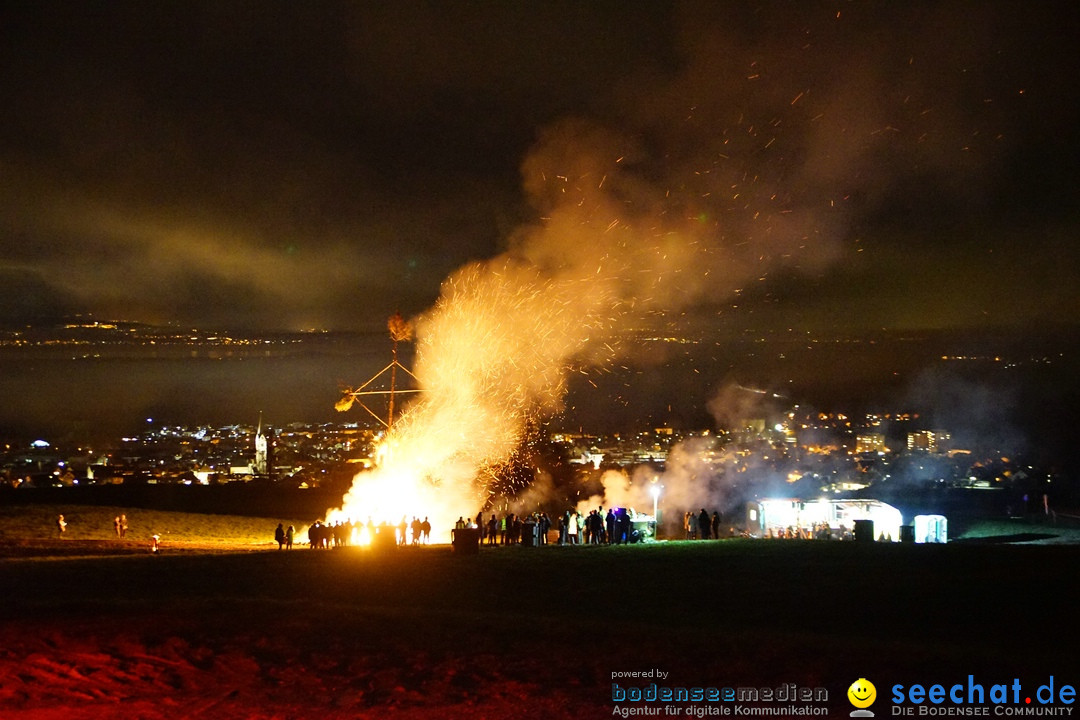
(870, 443)
(264, 461)
(589, 457)
(929, 440)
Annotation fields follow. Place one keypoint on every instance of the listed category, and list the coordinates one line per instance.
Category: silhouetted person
(279, 536)
(623, 529)
(592, 528)
(290, 532)
(316, 535)
(704, 524)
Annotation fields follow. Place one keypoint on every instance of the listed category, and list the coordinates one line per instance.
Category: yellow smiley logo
(862, 693)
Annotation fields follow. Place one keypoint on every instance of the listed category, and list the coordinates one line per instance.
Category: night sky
(283, 166)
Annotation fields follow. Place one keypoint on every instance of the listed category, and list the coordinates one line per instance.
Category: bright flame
(492, 356)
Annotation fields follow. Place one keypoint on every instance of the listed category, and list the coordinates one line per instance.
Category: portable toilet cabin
(931, 529)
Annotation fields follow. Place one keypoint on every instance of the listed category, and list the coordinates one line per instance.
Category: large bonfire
(492, 356)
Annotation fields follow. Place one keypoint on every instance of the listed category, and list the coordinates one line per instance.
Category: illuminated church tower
(262, 451)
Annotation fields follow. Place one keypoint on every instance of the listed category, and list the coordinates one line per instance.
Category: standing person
(290, 532)
(596, 527)
(716, 525)
(61, 525)
(704, 524)
(123, 526)
(116, 525)
(623, 528)
(279, 536)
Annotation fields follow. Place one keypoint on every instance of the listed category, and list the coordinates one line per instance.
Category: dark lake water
(107, 393)
(101, 393)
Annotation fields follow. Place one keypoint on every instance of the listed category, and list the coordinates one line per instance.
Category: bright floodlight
(655, 491)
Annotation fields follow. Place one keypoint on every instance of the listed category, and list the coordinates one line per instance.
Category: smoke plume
(702, 182)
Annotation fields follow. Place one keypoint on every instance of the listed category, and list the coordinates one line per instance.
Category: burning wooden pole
(400, 331)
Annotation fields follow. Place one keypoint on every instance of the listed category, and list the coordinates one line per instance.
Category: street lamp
(655, 511)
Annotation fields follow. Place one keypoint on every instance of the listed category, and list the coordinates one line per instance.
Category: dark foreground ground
(520, 632)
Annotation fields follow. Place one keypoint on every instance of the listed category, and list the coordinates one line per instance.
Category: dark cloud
(26, 296)
(282, 165)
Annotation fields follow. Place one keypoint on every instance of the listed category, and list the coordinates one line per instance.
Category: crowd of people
(343, 533)
(817, 531)
(321, 536)
(509, 529)
(701, 525)
(613, 526)
(419, 531)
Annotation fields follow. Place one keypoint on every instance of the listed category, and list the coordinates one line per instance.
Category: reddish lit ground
(512, 633)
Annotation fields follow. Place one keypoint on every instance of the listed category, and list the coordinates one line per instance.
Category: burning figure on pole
(400, 331)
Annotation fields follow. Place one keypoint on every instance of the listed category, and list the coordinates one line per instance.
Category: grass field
(32, 529)
(517, 632)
